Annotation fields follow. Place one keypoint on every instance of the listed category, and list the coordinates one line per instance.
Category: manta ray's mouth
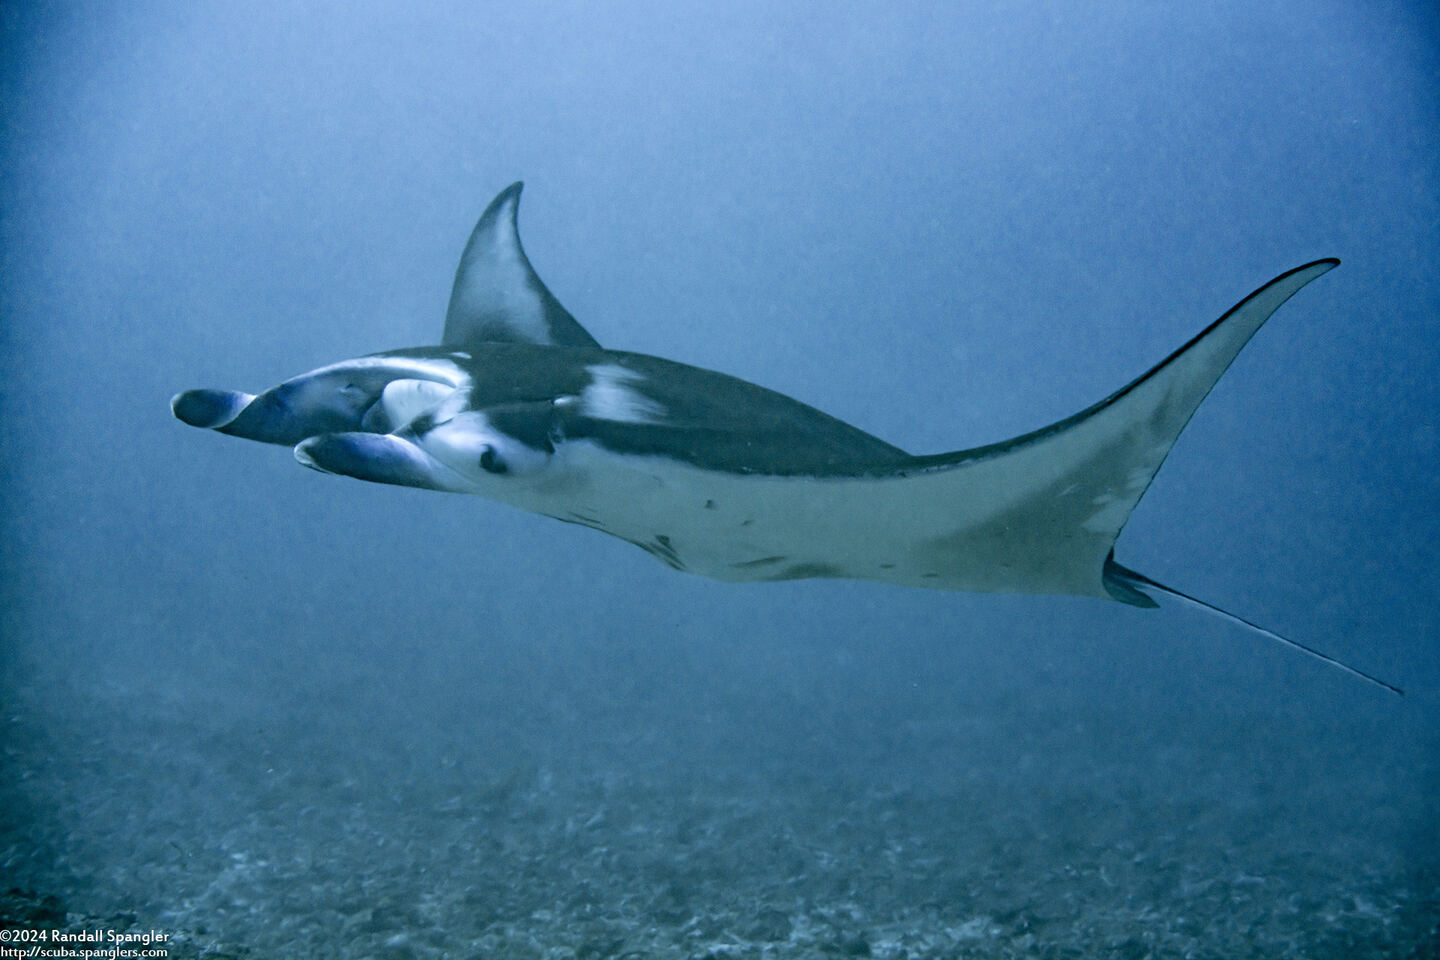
(377, 418)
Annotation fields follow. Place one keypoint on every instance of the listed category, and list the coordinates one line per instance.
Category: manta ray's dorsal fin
(497, 296)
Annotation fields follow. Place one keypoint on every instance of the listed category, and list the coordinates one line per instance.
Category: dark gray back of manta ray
(704, 418)
(719, 422)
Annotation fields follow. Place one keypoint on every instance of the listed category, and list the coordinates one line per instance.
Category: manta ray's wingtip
(1313, 269)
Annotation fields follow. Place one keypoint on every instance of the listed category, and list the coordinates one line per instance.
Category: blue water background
(946, 224)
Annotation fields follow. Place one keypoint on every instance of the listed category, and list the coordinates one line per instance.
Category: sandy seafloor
(1058, 837)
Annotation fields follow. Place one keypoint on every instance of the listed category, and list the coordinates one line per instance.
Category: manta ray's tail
(1127, 585)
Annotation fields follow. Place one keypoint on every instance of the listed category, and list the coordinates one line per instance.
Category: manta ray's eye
(490, 461)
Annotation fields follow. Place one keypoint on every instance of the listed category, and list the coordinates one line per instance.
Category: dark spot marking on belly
(746, 523)
(665, 550)
(661, 550)
(930, 576)
(887, 566)
(804, 571)
(761, 562)
(709, 504)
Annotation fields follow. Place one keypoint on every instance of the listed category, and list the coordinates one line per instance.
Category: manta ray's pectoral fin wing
(497, 295)
(1044, 509)
(1141, 422)
(1058, 498)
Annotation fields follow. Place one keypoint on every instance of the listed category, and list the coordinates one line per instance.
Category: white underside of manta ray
(717, 476)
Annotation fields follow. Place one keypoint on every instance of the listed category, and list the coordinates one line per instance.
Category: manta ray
(719, 477)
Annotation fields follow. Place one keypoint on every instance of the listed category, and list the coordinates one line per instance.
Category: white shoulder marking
(404, 400)
(609, 396)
